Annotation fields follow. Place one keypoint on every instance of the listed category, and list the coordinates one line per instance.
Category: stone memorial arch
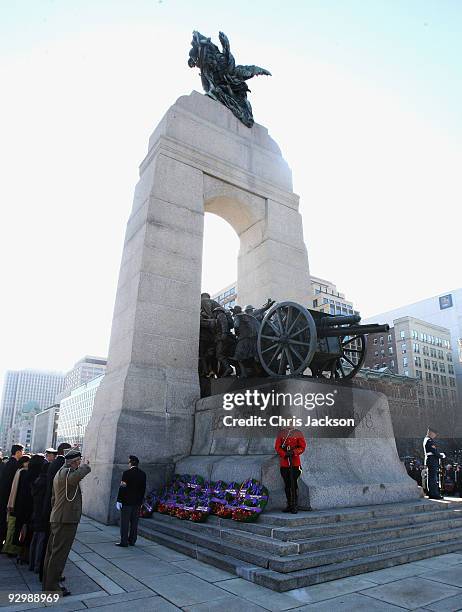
(200, 159)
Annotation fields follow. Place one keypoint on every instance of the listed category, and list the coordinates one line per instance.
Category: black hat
(72, 454)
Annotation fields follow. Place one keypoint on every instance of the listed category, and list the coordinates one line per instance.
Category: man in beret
(66, 510)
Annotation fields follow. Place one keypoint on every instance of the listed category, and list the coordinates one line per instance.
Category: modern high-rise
(444, 310)
(25, 393)
(75, 412)
(86, 369)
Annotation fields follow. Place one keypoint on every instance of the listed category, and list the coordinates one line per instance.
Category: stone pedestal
(362, 468)
(200, 159)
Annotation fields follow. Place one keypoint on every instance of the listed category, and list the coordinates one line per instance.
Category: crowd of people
(40, 508)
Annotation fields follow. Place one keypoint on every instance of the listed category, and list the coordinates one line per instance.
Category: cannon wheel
(353, 350)
(286, 339)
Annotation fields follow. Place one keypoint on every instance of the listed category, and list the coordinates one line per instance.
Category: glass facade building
(75, 412)
(25, 392)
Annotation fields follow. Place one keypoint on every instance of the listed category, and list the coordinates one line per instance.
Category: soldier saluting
(432, 457)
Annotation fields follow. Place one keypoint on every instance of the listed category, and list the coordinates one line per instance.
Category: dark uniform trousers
(290, 475)
(59, 546)
(433, 467)
(129, 516)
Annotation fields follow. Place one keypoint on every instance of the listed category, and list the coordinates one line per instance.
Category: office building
(421, 350)
(25, 393)
(75, 412)
(86, 369)
(322, 296)
(227, 297)
(444, 310)
(326, 298)
(44, 429)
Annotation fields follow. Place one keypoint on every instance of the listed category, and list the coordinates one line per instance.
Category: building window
(315, 303)
(389, 338)
(435, 366)
(376, 340)
(444, 380)
(430, 391)
(390, 350)
(405, 364)
(436, 379)
(428, 376)
(418, 373)
(403, 348)
(402, 335)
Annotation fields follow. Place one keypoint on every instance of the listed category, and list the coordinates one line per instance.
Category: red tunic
(293, 439)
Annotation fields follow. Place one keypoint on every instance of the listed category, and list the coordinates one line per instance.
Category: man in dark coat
(54, 468)
(130, 497)
(6, 480)
(40, 528)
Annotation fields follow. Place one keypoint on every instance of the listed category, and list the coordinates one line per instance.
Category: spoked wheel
(286, 340)
(353, 349)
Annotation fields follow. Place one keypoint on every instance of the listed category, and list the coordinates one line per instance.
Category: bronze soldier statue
(246, 326)
(224, 341)
(207, 355)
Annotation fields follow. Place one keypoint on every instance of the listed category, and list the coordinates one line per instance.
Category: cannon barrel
(341, 320)
(352, 330)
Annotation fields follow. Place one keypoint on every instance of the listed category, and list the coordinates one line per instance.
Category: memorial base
(361, 469)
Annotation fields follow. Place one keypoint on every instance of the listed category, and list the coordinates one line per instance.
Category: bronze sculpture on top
(221, 79)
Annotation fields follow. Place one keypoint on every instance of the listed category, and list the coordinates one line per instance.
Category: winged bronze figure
(221, 79)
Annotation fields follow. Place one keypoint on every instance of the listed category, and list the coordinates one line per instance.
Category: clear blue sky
(364, 101)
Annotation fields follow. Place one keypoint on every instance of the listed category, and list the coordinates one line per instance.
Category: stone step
(293, 563)
(289, 542)
(362, 513)
(293, 556)
(337, 541)
(226, 532)
(188, 532)
(393, 520)
(285, 582)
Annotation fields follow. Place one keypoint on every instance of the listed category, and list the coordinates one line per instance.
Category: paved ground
(151, 577)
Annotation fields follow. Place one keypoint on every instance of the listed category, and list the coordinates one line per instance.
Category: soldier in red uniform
(290, 444)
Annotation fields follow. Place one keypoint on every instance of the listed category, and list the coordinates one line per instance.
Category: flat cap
(72, 454)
